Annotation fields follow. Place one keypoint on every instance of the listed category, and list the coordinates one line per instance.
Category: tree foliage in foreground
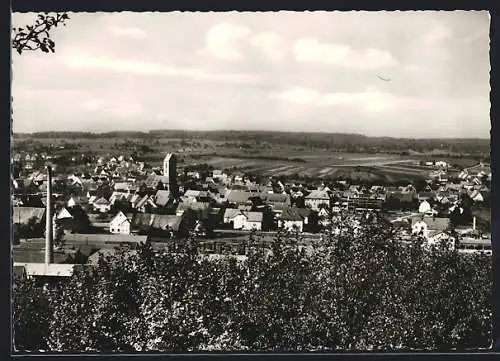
(361, 289)
(37, 36)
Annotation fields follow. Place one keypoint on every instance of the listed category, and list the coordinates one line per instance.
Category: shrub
(362, 289)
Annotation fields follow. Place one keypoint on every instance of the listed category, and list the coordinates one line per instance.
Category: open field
(259, 158)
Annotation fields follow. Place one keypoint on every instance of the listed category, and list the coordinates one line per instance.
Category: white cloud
(139, 67)
(134, 33)
(92, 104)
(222, 40)
(270, 43)
(299, 95)
(370, 100)
(120, 109)
(310, 50)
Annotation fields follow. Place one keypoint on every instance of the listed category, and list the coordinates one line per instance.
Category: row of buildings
(119, 201)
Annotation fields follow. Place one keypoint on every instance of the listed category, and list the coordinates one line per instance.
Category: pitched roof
(291, 214)
(119, 219)
(280, 206)
(35, 253)
(437, 223)
(236, 196)
(231, 213)
(192, 193)
(103, 238)
(141, 202)
(101, 201)
(197, 206)
(162, 221)
(107, 252)
(276, 197)
(152, 181)
(18, 272)
(402, 196)
(64, 213)
(426, 195)
(21, 215)
(303, 212)
(317, 194)
(253, 216)
(122, 186)
(143, 220)
(162, 197)
(245, 207)
(52, 269)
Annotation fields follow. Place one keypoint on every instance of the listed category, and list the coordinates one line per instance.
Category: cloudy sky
(291, 71)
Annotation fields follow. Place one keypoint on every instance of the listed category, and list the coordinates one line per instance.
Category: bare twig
(37, 36)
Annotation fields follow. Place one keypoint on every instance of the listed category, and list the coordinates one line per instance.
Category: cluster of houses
(122, 197)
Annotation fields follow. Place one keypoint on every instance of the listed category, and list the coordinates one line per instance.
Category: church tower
(170, 172)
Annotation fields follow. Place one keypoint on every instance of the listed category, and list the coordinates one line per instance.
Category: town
(120, 202)
(292, 181)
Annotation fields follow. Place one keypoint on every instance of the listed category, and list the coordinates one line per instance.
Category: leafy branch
(37, 36)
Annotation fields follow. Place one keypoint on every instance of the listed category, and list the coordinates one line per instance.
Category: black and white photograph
(251, 182)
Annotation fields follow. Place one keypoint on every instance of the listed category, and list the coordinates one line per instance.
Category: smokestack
(474, 223)
(49, 256)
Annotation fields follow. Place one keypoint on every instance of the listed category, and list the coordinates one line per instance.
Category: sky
(399, 74)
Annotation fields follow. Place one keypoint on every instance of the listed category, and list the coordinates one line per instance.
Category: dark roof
(21, 215)
(295, 214)
(36, 254)
(142, 201)
(426, 195)
(106, 252)
(402, 196)
(290, 214)
(102, 201)
(18, 272)
(280, 206)
(103, 238)
(276, 197)
(253, 216)
(197, 206)
(142, 220)
(245, 207)
(317, 194)
(437, 223)
(236, 196)
(162, 221)
(152, 181)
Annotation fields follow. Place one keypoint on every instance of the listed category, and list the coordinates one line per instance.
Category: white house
(324, 217)
(424, 207)
(102, 205)
(294, 219)
(243, 220)
(120, 224)
(317, 198)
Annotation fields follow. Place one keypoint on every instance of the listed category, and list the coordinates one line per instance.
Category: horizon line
(245, 131)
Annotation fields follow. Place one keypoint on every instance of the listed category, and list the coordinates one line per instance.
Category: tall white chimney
(474, 223)
(49, 254)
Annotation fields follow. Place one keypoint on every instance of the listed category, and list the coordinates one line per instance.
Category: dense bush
(362, 289)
